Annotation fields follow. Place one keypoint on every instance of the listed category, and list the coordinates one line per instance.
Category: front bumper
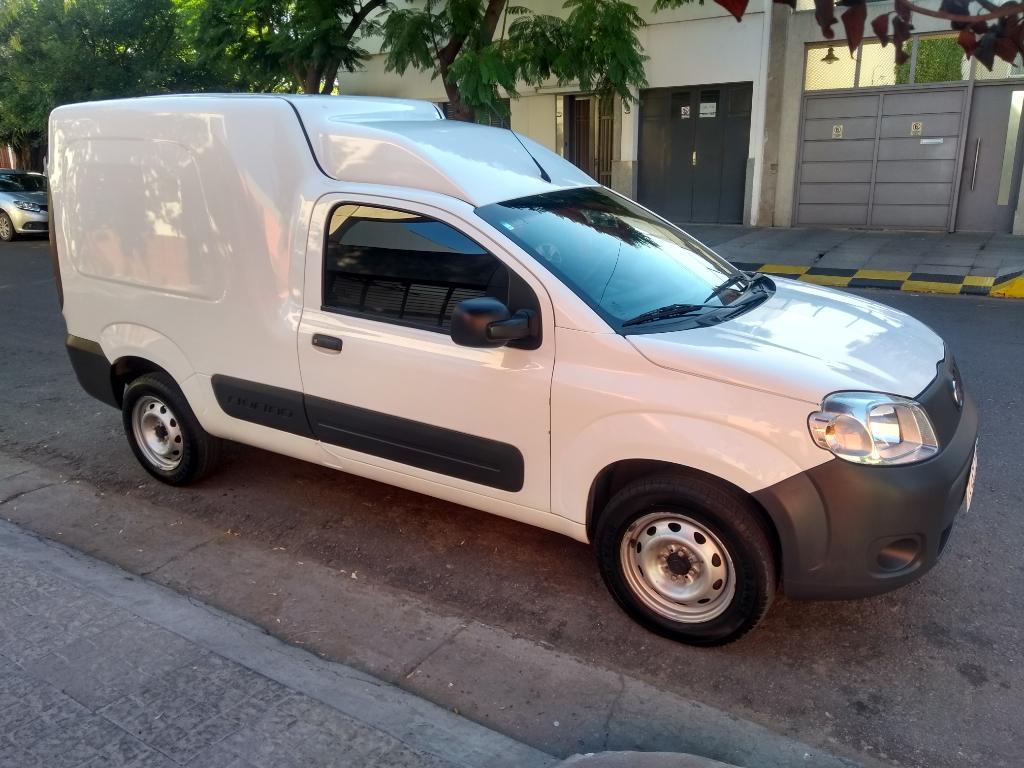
(849, 530)
(28, 222)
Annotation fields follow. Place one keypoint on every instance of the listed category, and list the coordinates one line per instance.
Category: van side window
(404, 268)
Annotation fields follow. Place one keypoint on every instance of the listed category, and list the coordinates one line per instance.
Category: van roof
(393, 142)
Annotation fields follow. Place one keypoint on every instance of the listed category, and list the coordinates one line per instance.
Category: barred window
(404, 268)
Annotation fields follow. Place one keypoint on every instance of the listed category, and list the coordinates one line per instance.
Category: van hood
(805, 342)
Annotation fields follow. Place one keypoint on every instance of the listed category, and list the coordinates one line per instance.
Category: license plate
(969, 493)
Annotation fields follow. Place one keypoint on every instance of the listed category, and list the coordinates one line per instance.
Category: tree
(282, 44)
(459, 41)
(54, 52)
(993, 30)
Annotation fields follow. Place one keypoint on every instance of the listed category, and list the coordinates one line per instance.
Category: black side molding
(436, 449)
(91, 367)
(262, 404)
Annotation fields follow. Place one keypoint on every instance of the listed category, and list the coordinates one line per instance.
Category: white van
(456, 310)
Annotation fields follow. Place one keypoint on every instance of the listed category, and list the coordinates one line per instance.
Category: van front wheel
(164, 433)
(686, 558)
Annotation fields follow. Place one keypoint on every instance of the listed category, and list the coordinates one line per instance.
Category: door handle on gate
(977, 154)
(327, 343)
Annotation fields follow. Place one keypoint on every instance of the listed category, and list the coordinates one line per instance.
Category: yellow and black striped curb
(1009, 286)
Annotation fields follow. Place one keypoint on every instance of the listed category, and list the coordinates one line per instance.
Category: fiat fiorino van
(456, 310)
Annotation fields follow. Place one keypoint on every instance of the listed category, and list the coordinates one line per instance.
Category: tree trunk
(311, 82)
(330, 76)
(28, 157)
(492, 16)
(458, 109)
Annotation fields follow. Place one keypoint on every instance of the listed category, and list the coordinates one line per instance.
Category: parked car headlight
(27, 206)
(872, 428)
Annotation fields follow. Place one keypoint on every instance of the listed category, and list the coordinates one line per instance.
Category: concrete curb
(1008, 286)
(640, 760)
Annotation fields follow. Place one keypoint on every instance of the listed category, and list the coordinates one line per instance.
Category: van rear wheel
(688, 559)
(163, 432)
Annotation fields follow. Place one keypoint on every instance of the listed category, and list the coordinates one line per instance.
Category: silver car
(23, 207)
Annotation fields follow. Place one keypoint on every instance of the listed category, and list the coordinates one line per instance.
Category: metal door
(693, 152)
(589, 145)
(881, 159)
(993, 157)
(665, 182)
(581, 153)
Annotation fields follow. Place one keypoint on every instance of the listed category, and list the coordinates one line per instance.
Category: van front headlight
(872, 428)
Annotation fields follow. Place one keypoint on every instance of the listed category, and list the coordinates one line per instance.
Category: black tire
(7, 233)
(731, 518)
(199, 451)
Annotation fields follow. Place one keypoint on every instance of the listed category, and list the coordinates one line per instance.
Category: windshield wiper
(729, 282)
(666, 313)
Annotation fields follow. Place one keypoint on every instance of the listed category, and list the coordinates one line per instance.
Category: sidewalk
(963, 262)
(99, 669)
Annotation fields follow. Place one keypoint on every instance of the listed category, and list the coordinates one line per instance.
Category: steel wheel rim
(5, 227)
(677, 567)
(158, 433)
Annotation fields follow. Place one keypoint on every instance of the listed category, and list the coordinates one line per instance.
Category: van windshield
(22, 182)
(631, 267)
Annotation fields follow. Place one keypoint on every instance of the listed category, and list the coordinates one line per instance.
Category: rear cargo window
(403, 267)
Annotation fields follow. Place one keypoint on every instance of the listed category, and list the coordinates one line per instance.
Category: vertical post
(624, 168)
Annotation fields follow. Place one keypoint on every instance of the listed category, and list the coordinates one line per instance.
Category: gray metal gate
(879, 159)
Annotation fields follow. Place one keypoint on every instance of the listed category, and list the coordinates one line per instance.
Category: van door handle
(327, 343)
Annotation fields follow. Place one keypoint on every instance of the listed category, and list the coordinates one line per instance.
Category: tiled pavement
(962, 262)
(86, 683)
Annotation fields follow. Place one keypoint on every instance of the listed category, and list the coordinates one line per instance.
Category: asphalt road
(931, 675)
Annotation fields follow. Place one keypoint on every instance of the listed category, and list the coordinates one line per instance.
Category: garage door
(693, 149)
(884, 159)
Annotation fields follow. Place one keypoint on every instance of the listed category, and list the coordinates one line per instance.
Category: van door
(384, 383)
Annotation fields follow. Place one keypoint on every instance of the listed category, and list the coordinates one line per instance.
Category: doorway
(991, 178)
(589, 139)
(693, 152)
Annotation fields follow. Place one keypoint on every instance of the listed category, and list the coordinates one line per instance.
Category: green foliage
(479, 74)
(282, 44)
(54, 52)
(939, 60)
(595, 46)
(410, 37)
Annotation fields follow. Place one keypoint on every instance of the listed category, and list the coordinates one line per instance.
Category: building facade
(766, 123)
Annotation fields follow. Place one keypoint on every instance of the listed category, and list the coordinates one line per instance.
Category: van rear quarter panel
(181, 231)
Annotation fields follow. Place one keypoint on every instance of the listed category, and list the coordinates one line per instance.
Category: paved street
(927, 676)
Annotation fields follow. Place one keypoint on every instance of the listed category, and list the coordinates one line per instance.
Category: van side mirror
(486, 322)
